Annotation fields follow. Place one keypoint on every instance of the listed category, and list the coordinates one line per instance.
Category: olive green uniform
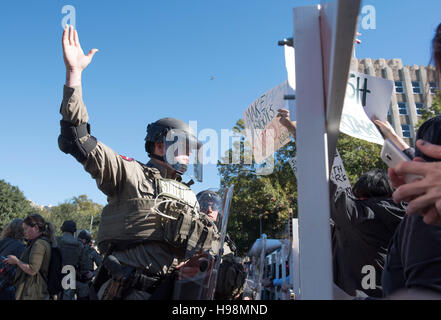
(132, 189)
(34, 287)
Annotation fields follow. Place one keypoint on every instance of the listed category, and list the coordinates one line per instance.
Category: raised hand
(74, 57)
(389, 133)
(284, 121)
(424, 195)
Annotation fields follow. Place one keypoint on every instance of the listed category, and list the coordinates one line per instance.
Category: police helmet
(176, 133)
(85, 235)
(69, 226)
(157, 131)
(208, 198)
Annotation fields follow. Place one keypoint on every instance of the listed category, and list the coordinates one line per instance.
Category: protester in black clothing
(414, 259)
(362, 228)
(424, 196)
(11, 243)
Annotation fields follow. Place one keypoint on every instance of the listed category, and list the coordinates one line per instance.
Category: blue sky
(156, 60)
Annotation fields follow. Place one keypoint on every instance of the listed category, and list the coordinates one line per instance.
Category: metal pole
(91, 222)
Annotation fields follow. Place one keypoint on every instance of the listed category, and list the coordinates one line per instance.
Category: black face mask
(430, 131)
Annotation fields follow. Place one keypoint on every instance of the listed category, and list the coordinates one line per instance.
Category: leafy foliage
(359, 156)
(13, 203)
(82, 210)
(79, 209)
(435, 109)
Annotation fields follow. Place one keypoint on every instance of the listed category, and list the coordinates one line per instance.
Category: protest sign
(262, 126)
(366, 96)
(338, 174)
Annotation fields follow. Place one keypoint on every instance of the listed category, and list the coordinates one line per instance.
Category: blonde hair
(13, 230)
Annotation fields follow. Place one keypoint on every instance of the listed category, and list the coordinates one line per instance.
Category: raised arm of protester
(389, 133)
(424, 196)
(284, 120)
(104, 165)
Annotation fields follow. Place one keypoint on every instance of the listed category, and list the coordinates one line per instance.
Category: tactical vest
(88, 264)
(170, 215)
(230, 279)
(70, 251)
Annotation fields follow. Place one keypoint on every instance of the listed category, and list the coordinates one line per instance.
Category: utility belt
(124, 278)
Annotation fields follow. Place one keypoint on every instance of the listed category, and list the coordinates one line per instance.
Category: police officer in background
(93, 257)
(152, 219)
(72, 254)
(231, 274)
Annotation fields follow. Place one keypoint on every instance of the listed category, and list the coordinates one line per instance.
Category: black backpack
(55, 276)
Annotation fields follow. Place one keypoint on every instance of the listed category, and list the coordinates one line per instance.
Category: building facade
(414, 89)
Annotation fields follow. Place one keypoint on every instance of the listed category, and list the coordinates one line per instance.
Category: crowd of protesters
(28, 257)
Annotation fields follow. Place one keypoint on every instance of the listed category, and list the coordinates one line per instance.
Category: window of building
(402, 108)
(406, 130)
(399, 87)
(419, 106)
(416, 87)
(433, 87)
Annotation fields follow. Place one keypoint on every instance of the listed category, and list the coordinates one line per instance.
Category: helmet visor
(183, 152)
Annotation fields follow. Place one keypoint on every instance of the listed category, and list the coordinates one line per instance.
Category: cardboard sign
(366, 96)
(339, 176)
(262, 125)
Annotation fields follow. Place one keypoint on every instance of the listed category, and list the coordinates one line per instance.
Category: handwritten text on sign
(264, 129)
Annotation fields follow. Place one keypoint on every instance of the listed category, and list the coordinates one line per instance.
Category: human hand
(11, 260)
(74, 57)
(423, 195)
(384, 127)
(389, 133)
(284, 121)
(89, 275)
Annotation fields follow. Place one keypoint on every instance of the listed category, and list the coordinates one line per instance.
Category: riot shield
(196, 278)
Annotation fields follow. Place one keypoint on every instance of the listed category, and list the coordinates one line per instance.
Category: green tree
(359, 156)
(433, 111)
(258, 200)
(13, 203)
(266, 199)
(79, 209)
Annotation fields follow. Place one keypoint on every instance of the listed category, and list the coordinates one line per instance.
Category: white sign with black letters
(366, 96)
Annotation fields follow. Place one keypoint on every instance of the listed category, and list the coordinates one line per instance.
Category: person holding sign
(363, 225)
(424, 196)
(288, 124)
(414, 259)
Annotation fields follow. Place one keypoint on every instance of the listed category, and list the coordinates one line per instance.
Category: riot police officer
(231, 274)
(72, 253)
(93, 257)
(152, 219)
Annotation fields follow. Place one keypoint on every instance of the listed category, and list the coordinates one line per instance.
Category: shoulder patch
(125, 158)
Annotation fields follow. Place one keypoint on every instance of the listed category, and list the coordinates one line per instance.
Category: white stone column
(410, 101)
(395, 114)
